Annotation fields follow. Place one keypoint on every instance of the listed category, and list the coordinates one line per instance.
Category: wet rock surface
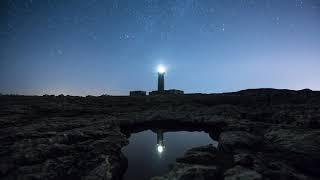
(262, 134)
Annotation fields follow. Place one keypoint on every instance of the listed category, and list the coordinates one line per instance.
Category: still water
(149, 153)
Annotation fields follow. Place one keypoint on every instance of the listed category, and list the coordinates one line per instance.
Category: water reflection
(160, 143)
(146, 160)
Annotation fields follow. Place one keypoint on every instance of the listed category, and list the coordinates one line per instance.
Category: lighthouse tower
(161, 72)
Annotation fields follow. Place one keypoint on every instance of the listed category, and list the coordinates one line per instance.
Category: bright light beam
(161, 69)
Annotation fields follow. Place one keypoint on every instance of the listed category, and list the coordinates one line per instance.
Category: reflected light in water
(160, 144)
(160, 148)
(144, 159)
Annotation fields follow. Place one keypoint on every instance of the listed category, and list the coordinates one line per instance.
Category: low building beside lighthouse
(138, 93)
(169, 91)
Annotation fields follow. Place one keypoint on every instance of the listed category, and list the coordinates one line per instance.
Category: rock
(205, 155)
(231, 141)
(241, 173)
(243, 159)
(6, 165)
(70, 137)
(300, 148)
(103, 171)
(207, 148)
(274, 169)
(68, 154)
(197, 163)
(190, 172)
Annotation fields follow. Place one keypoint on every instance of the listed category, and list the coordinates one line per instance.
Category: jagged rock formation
(262, 134)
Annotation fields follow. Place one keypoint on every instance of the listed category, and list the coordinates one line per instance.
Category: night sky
(82, 47)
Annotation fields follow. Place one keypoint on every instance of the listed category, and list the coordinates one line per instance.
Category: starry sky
(83, 47)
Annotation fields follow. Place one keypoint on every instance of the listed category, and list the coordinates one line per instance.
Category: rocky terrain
(262, 134)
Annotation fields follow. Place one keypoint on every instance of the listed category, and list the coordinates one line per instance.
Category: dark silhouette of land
(262, 134)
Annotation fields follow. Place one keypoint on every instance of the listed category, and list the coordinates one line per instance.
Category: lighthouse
(161, 72)
(161, 91)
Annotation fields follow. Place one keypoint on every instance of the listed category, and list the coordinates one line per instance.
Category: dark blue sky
(85, 47)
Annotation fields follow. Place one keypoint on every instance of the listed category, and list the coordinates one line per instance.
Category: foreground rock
(299, 148)
(231, 141)
(205, 155)
(198, 163)
(241, 155)
(188, 172)
(87, 151)
(274, 156)
(239, 172)
(261, 132)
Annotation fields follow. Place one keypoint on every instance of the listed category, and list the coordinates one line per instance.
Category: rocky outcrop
(89, 151)
(275, 155)
(300, 148)
(239, 172)
(198, 163)
(242, 155)
(204, 155)
(231, 141)
(190, 171)
(264, 133)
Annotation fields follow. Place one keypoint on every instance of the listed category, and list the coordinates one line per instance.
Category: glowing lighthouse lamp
(161, 69)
